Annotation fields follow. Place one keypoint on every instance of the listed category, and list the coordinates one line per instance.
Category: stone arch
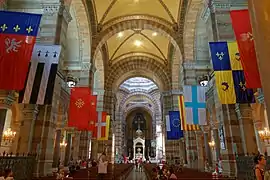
(79, 42)
(133, 66)
(99, 72)
(144, 22)
(201, 50)
(130, 22)
(145, 94)
(194, 8)
(134, 107)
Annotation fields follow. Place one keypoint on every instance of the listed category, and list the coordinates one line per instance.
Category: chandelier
(212, 144)
(63, 144)
(264, 134)
(9, 135)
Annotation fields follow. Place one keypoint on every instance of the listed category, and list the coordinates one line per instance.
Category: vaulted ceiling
(137, 42)
(107, 10)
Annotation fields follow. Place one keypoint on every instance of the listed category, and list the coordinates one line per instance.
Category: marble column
(75, 145)
(233, 140)
(191, 149)
(260, 18)
(68, 149)
(94, 149)
(244, 112)
(207, 139)
(217, 143)
(84, 145)
(56, 154)
(26, 118)
(200, 141)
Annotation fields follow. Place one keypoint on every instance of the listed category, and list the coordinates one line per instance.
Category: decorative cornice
(172, 92)
(50, 9)
(196, 66)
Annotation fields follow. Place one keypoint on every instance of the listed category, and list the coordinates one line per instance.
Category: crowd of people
(163, 173)
(74, 166)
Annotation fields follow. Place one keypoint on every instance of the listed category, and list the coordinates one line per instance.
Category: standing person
(102, 166)
(260, 162)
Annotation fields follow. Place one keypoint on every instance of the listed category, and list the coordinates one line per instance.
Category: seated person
(171, 174)
(8, 175)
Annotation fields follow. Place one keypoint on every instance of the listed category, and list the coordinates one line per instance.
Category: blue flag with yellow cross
(230, 81)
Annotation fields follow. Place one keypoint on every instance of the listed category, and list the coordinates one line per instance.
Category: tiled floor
(134, 175)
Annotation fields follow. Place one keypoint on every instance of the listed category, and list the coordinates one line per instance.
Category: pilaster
(244, 114)
(191, 149)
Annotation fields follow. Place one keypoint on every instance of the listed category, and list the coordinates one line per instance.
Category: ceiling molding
(142, 66)
(92, 15)
(107, 11)
(123, 42)
(136, 55)
(148, 24)
(156, 46)
(167, 10)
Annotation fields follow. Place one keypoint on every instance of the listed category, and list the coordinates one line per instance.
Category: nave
(129, 172)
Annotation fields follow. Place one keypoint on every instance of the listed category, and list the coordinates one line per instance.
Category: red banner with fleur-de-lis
(18, 33)
(243, 33)
(82, 108)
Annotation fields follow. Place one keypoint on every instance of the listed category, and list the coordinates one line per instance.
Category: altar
(139, 148)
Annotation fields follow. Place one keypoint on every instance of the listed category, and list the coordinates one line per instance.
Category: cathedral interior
(136, 56)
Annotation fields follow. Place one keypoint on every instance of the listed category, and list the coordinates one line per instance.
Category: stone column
(217, 143)
(75, 145)
(84, 145)
(68, 149)
(260, 17)
(207, 149)
(26, 118)
(233, 140)
(244, 113)
(94, 149)
(191, 149)
(56, 154)
(45, 132)
(200, 141)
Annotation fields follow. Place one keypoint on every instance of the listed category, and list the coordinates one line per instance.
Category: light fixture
(120, 35)
(136, 1)
(203, 81)
(154, 34)
(137, 43)
(9, 135)
(63, 144)
(71, 81)
(264, 134)
(212, 144)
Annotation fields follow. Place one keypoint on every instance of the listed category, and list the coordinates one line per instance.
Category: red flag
(18, 33)
(79, 108)
(243, 33)
(93, 113)
(100, 128)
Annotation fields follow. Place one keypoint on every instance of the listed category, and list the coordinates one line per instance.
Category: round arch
(150, 23)
(151, 99)
(79, 43)
(194, 8)
(130, 109)
(130, 22)
(131, 67)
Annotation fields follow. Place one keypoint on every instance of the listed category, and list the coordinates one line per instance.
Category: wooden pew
(115, 172)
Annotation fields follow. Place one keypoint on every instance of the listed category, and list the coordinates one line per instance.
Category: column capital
(172, 92)
(205, 129)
